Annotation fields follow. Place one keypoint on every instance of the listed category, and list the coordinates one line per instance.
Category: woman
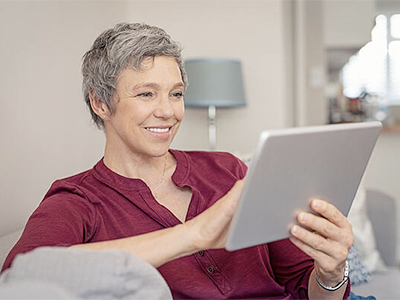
(173, 208)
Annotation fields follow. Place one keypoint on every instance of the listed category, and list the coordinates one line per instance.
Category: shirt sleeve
(291, 266)
(63, 218)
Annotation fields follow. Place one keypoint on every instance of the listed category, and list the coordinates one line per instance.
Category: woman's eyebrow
(178, 85)
(145, 85)
(156, 85)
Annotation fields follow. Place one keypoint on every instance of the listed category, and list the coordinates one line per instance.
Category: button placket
(210, 267)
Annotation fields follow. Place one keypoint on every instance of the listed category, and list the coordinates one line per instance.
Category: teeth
(158, 129)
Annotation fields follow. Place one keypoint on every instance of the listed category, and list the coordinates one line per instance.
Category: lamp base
(212, 130)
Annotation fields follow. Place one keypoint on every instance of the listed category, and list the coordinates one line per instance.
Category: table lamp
(214, 82)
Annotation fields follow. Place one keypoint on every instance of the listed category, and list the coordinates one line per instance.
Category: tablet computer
(294, 165)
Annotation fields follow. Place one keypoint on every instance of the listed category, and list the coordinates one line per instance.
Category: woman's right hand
(209, 230)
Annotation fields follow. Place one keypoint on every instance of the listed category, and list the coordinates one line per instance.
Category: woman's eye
(145, 94)
(177, 94)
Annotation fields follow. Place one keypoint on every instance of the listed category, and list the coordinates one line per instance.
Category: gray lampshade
(214, 82)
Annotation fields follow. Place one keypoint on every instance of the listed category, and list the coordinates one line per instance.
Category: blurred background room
(303, 63)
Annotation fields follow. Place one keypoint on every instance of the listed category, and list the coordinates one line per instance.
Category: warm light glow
(365, 71)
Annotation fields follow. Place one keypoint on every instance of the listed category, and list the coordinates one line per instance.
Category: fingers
(329, 268)
(329, 256)
(326, 237)
(317, 246)
(231, 199)
(330, 263)
(330, 223)
(330, 212)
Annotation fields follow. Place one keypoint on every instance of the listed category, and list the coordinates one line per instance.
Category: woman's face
(148, 108)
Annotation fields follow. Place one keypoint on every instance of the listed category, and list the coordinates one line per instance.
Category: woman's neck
(154, 171)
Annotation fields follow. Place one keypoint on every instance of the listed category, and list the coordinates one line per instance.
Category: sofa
(379, 261)
(382, 212)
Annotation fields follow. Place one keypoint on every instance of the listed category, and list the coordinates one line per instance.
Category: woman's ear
(98, 106)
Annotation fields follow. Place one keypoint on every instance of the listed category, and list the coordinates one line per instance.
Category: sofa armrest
(6, 243)
(382, 212)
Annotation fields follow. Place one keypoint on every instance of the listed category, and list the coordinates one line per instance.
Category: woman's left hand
(326, 237)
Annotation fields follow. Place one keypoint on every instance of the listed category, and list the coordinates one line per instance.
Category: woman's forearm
(157, 247)
(207, 230)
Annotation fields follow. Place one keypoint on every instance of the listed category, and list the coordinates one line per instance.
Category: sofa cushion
(381, 209)
(383, 285)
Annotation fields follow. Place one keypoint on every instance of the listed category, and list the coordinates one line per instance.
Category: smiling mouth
(158, 130)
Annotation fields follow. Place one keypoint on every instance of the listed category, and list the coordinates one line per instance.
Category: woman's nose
(164, 108)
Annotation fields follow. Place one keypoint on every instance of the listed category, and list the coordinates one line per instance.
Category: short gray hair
(125, 45)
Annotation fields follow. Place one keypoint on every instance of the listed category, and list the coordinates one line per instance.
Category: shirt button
(201, 253)
(210, 269)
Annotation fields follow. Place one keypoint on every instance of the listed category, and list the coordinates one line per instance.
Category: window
(375, 69)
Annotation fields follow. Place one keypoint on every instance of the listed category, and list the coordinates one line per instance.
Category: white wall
(47, 133)
(348, 24)
(46, 130)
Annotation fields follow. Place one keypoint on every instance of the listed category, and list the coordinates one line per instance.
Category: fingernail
(302, 216)
(294, 229)
(317, 203)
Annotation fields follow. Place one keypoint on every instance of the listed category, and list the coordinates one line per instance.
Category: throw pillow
(358, 273)
(364, 237)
